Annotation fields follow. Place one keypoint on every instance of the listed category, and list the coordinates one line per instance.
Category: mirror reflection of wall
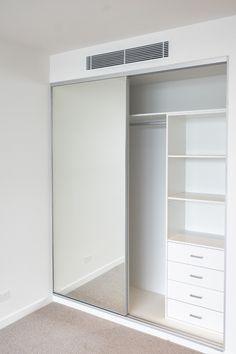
(89, 192)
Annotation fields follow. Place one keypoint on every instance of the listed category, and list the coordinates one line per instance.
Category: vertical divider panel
(127, 271)
(167, 208)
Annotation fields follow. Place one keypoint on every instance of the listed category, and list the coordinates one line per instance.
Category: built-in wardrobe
(139, 197)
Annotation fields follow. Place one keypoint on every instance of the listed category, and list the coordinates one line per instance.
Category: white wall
(200, 41)
(25, 269)
(187, 44)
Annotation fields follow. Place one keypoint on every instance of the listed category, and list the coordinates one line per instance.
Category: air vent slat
(147, 52)
(166, 49)
(107, 59)
(127, 56)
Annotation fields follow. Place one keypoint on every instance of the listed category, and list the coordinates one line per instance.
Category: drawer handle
(195, 256)
(195, 296)
(196, 276)
(194, 316)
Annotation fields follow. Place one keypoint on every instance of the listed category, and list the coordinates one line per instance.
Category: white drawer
(195, 255)
(196, 295)
(195, 315)
(207, 278)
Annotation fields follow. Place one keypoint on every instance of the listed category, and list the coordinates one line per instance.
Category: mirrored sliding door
(89, 192)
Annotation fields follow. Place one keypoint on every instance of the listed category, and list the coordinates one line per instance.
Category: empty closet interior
(177, 195)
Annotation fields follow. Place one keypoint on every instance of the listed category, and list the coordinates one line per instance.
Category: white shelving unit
(196, 216)
(177, 201)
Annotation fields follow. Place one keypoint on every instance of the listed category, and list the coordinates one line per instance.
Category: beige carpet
(106, 291)
(57, 329)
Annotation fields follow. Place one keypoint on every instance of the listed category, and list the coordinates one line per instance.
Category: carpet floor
(106, 291)
(57, 329)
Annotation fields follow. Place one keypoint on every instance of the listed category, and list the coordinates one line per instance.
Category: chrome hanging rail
(160, 123)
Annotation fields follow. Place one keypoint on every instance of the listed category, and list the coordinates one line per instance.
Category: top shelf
(216, 113)
(198, 197)
(197, 156)
(191, 114)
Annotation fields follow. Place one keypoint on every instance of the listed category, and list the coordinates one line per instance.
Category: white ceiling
(61, 25)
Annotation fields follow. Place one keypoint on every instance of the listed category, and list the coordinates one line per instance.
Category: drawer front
(199, 256)
(195, 315)
(195, 295)
(204, 277)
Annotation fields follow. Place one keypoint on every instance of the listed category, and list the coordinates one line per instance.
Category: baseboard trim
(81, 281)
(134, 324)
(17, 315)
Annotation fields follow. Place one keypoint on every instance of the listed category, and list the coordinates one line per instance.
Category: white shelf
(198, 197)
(197, 156)
(198, 239)
(211, 112)
(196, 113)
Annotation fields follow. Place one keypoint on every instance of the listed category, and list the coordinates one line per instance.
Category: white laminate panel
(196, 255)
(196, 295)
(189, 274)
(195, 315)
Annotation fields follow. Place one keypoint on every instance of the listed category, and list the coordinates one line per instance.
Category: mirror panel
(89, 192)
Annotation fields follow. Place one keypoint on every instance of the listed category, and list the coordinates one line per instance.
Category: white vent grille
(127, 56)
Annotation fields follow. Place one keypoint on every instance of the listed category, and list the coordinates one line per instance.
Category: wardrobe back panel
(147, 208)
(179, 90)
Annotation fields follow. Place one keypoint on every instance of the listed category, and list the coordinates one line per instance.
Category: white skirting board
(107, 316)
(15, 316)
(128, 322)
(81, 281)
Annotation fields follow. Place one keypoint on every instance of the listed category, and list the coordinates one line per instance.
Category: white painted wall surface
(187, 44)
(25, 244)
(204, 40)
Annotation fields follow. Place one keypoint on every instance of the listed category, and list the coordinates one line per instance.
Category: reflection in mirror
(89, 231)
